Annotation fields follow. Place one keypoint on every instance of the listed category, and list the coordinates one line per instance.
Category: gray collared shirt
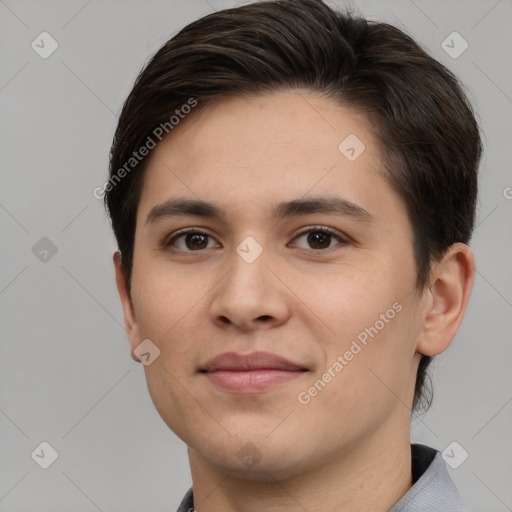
(433, 490)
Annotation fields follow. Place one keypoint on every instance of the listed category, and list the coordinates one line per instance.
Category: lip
(247, 373)
(233, 361)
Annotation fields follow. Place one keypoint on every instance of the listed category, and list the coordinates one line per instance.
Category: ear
(130, 323)
(446, 299)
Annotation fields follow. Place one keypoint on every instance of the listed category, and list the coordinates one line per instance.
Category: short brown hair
(424, 124)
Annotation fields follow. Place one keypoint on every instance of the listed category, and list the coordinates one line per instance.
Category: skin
(348, 449)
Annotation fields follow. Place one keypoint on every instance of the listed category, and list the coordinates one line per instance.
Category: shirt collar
(433, 490)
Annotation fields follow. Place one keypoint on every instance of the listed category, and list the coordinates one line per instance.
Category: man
(292, 190)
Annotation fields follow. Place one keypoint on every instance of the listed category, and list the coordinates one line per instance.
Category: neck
(371, 474)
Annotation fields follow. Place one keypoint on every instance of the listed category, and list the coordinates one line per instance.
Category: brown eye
(191, 241)
(320, 238)
(196, 240)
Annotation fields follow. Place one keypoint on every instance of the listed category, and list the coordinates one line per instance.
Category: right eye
(193, 240)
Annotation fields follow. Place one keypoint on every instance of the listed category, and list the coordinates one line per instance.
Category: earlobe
(446, 299)
(132, 331)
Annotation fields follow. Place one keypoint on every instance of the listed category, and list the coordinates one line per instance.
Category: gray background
(66, 376)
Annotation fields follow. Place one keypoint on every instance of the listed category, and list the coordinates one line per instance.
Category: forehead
(247, 154)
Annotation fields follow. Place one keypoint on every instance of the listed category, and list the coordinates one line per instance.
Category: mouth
(249, 373)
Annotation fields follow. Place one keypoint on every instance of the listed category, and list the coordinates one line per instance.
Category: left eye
(318, 238)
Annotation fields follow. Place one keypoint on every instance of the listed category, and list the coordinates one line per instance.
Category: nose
(250, 296)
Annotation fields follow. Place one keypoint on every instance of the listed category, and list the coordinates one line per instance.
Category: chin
(261, 461)
(262, 471)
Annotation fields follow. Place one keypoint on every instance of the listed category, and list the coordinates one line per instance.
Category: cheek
(348, 302)
(370, 380)
(380, 374)
(371, 339)
(162, 299)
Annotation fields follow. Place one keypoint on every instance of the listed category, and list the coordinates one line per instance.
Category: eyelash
(322, 229)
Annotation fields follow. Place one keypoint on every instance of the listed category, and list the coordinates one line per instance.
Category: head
(258, 105)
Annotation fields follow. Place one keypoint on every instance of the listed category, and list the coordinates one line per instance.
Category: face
(333, 292)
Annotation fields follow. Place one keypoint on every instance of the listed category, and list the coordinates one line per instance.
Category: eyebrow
(332, 204)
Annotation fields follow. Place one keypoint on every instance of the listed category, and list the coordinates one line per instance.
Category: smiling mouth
(250, 372)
